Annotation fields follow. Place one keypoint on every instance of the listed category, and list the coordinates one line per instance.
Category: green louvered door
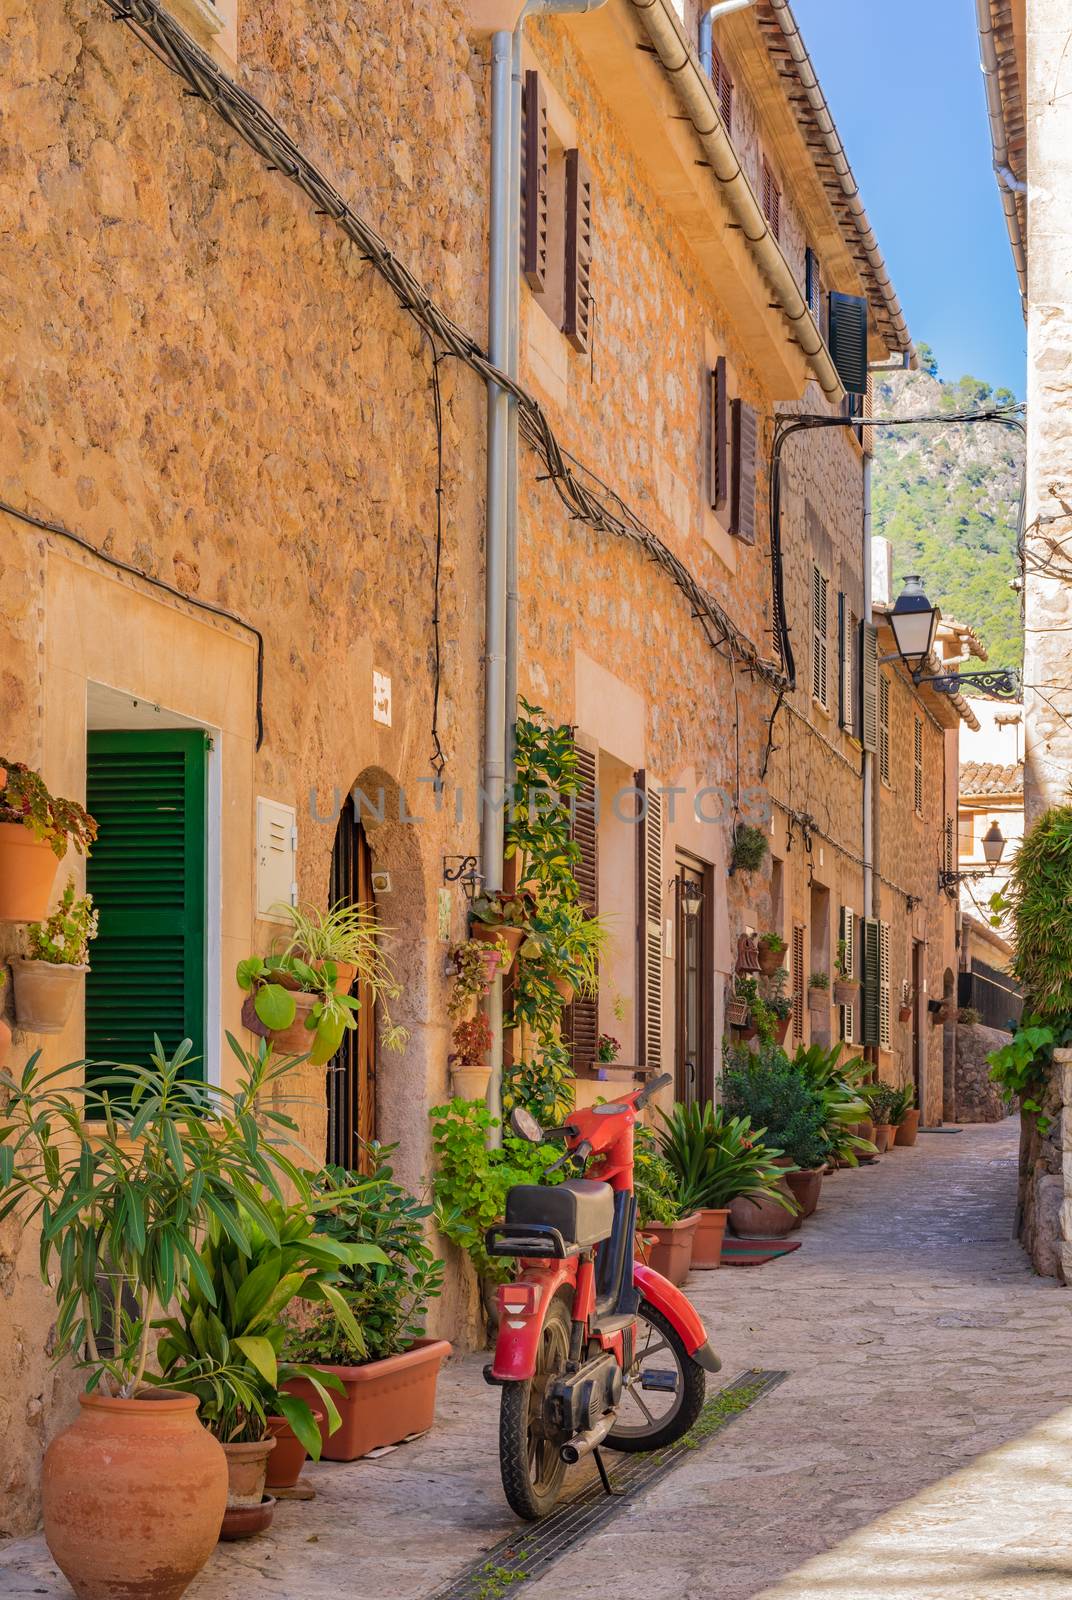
(147, 878)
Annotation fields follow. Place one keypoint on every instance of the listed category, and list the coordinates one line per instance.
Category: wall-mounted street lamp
(691, 896)
(915, 627)
(993, 850)
(463, 870)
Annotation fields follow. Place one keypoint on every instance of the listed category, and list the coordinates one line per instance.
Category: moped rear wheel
(663, 1393)
(532, 1469)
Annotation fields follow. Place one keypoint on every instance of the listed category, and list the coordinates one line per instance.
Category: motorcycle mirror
(524, 1124)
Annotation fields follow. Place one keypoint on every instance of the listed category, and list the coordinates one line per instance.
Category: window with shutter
(147, 790)
(847, 934)
(848, 339)
(820, 587)
(577, 303)
(772, 200)
(884, 728)
(813, 288)
(723, 86)
(868, 686)
(797, 980)
(872, 1006)
(650, 924)
(535, 161)
(743, 497)
(846, 666)
(580, 1019)
(917, 766)
(950, 845)
(718, 437)
(884, 985)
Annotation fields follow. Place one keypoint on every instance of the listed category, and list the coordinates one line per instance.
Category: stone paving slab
(921, 1445)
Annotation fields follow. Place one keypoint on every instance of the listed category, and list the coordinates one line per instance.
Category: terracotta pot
(564, 988)
(242, 1522)
(345, 973)
(491, 958)
(385, 1401)
(904, 1014)
(288, 1458)
(247, 1471)
(707, 1240)
(490, 932)
(781, 1029)
(45, 993)
(133, 1492)
(668, 1246)
(845, 991)
(769, 960)
(470, 1082)
(908, 1127)
(297, 1040)
(818, 999)
(760, 1219)
(27, 870)
(804, 1187)
(251, 1020)
(883, 1136)
(5, 1042)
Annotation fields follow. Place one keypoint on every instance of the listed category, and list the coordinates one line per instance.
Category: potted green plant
(470, 1069)
(777, 1096)
(473, 966)
(497, 916)
(907, 1005)
(819, 992)
(124, 1177)
(47, 980)
(779, 1004)
(571, 943)
(666, 1230)
(716, 1159)
(35, 830)
(836, 1083)
(846, 985)
(345, 943)
(771, 947)
(750, 846)
(389, 1391)
(904, 1115)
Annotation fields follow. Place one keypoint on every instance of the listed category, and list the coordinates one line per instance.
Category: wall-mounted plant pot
(781, 1029)
(297, 1039)
(667, 1246)
(45, 993)
(944, 1013)
(769, 960)
(904, 1014)
(385, 1401)
(491, 932)
(845, 991)
(345, 973)
(27, 870)
(565, 988)
(470, 1082)
(707, 1240)
(818, 999)
(908, 1127)
(133, 1494)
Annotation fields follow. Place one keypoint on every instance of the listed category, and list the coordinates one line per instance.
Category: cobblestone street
(920, 1445)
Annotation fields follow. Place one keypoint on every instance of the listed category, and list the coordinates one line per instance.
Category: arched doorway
(351, 1077)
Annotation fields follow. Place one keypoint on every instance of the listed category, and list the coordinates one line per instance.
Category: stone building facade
(219, 506)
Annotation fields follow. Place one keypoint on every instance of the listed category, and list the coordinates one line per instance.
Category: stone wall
(978, 1098)
(1045, 1222)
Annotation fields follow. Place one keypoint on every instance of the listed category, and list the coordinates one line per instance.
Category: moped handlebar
(651, 1087)
(581, 1153)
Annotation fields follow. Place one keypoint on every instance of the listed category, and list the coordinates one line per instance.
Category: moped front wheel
(532, 1469)
(663, 1392)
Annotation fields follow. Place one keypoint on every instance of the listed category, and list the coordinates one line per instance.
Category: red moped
(594, 1348)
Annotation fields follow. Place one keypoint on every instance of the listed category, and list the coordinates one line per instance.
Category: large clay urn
(134, 1493)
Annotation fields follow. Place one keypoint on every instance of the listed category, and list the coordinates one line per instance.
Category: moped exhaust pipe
(582, 1444)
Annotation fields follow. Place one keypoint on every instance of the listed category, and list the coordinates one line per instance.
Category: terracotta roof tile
(991, 777)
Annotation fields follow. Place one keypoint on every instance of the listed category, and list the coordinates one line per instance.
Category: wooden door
(351, 1079)
(691, 1073)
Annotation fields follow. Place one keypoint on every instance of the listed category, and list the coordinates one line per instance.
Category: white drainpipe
(711, 15)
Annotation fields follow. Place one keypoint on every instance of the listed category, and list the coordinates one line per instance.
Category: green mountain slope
(947, 500)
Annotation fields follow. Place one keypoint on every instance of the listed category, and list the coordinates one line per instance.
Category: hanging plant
(750, 845)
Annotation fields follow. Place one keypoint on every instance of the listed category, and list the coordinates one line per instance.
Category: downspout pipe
(871, 908)
(999, 143)
(696, 95)
(710, 16)
(501, 588)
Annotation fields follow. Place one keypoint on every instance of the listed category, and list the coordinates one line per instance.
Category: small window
(884, 728)
(966, 833)
(772, 200)
(820, 589)
(917, 765)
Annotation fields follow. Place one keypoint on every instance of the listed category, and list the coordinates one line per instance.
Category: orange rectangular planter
(707, 1240)
(385, 1401)
(669, 1251)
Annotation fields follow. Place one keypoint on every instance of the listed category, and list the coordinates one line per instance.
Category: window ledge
(202, 14)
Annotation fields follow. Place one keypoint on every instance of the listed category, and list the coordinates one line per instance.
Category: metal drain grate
(527, 1554)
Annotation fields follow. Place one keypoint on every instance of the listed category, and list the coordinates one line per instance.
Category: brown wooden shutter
(577, 299)
(718, 437)
(743, 507)
(580, 1021)
(772, 200)
(797, 980)
(534, 165)
(649, 925)
(723, 84)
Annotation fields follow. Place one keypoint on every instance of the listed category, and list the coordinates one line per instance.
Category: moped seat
(581, 1209)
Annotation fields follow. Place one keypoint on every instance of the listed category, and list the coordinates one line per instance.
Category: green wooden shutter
(872, 999)
(147, 878)
(848, 340)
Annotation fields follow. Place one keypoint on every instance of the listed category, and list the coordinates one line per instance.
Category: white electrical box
(277, 857)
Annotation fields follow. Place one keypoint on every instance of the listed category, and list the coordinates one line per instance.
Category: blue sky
(917, 139)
